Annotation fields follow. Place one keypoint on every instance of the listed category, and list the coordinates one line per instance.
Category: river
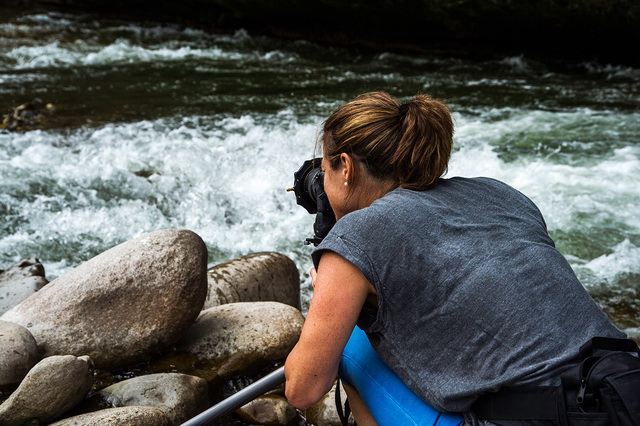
(158, 126)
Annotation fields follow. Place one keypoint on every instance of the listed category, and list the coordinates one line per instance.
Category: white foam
(121, 51)
(604, 186)
(227, 183)
(61, 44)
(226, 180)
(625, 259)
(614, 72)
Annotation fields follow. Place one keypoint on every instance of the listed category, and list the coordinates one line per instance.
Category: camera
(309, 189)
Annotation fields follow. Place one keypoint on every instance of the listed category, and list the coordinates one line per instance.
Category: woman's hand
(340, 290)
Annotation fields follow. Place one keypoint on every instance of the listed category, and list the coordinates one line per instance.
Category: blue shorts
(389, 400)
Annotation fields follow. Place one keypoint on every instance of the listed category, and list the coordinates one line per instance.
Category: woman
(456, 282)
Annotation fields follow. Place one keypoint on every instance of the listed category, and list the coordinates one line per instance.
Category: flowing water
(158, 126)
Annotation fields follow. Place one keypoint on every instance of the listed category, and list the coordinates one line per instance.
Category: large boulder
(18, 353)
(19, 282)
(54, 386)
(127, 302)
(239, 337)
(179, 396)
(138, 416)
(258, 277)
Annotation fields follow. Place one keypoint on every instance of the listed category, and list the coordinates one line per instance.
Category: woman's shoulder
(480, 186)
(473, 182)
(452, 185)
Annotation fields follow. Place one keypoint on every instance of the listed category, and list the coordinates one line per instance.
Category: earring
(346, 183)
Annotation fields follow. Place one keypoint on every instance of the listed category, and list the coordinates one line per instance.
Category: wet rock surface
(28, 116)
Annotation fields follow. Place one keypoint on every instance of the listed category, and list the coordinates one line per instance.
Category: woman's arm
(340, 290)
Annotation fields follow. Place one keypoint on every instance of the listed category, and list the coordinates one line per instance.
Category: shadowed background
(572, 30)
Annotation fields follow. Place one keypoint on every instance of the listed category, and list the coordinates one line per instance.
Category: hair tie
(402, 110)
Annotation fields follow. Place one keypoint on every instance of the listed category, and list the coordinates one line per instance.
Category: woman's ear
(346, 163)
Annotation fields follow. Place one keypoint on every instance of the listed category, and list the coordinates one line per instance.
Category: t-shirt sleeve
(338, 241)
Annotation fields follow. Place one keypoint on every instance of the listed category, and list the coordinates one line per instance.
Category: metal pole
(238, 399)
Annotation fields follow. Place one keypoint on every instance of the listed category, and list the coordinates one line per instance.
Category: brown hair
(408, 143)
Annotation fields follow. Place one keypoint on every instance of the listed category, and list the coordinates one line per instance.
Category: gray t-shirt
(472, 294)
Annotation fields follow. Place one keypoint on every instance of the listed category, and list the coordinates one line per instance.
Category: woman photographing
(454, 284)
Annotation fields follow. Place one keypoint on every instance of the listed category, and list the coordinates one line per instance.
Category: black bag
(603, 389)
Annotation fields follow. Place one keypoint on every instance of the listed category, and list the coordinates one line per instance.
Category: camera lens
(309, 190)
(314, 184)
(309, 183)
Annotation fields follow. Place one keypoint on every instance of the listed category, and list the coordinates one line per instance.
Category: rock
(54, 386)
(324, 412)
(268, 410)
(266, 276)
(238, 337)
(29, 116)
(138, 416)
(18, 352)
(123, 304)
(19, 282)
(179, 396)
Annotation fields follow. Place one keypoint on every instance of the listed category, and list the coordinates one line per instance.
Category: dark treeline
(606, 31)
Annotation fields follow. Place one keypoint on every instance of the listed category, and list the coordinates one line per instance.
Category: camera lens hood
(305, 186)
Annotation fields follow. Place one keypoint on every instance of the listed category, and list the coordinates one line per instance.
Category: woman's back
(464, 272)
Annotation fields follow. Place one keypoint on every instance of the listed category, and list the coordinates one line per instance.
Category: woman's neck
(371, 189)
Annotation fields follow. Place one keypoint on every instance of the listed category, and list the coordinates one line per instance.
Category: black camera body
(309, 189)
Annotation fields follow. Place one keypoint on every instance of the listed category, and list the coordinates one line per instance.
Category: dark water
(157, 126)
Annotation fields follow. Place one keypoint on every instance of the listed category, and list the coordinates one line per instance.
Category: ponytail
(408, 143)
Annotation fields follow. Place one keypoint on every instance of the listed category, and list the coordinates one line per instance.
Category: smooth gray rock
(238, 337)
(179, 396)
(266, 276)
(54, 386)
(19, 282)
(18, 352)
(138, 416)
(268, 410)
(127, 302)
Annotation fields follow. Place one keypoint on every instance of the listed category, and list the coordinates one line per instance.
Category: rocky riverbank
(144, 334)
(548, 30)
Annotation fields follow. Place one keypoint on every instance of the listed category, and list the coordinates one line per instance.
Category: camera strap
(343, 412)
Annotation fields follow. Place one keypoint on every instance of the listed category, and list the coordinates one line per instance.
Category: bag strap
(618, 384)
(342, 414)
(598, 345)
